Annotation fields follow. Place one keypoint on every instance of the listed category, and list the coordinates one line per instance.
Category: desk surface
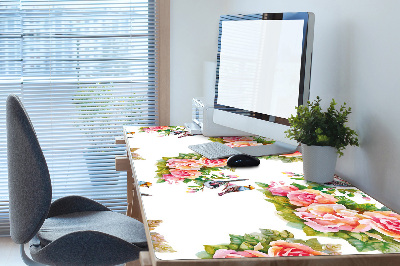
(198, 209)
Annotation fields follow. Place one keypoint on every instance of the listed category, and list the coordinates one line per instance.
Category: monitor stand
(276, 148)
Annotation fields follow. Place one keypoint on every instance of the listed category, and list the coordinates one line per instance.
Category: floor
(9, 253)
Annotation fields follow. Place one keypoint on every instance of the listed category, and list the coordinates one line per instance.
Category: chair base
(26, 259)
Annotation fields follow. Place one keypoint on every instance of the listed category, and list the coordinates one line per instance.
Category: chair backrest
(29, 183)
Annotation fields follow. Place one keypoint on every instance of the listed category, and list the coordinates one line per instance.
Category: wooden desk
(196, 210)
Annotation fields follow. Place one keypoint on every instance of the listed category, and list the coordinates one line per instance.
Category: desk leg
(144, 260)
(133, 209)
(129, 193)
(133, 263)
(134, 212)
(132, 197)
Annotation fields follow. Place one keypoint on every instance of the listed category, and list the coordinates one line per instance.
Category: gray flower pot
(319, 163)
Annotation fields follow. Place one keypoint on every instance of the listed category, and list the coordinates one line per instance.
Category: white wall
(356, 60)
(194, 41)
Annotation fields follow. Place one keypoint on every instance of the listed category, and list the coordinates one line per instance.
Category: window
(83, 69)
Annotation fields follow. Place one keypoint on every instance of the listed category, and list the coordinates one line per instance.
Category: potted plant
(323, 135)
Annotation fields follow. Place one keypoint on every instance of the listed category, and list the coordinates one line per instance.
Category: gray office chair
(70, 231)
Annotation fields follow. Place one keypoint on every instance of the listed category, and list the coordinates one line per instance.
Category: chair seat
(108, 222)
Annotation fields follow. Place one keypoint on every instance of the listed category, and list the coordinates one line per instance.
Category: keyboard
(214, 150)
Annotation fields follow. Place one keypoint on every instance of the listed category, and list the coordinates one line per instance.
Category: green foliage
(363, 242)
(384, 208)
(298, 186)
(217, 139)
(312, 126)
(283, 159)
(350, 204)
(263, 141)
(263, 185)
(264, 237)
(210, 249)
(258, 139)
(203, 255)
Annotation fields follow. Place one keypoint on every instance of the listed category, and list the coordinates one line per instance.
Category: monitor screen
(260, 67)
(263, 71)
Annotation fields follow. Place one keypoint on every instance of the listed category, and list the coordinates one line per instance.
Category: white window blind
(83, 69)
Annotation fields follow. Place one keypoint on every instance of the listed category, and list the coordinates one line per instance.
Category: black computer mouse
(242, 160)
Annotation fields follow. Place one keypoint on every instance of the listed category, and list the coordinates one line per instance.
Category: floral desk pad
(198, 208)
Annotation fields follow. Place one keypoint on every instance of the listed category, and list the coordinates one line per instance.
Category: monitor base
(277, 148)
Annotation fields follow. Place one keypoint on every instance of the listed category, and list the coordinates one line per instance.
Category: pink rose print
(295, 154)
(281, 190)
(386, 222)
(227, 176)
(226, 253)
(332, 218)
(213, 163)
(191, 174)
(184, 164)
(172, 179)
(285, 249)
(155, 129)
(305, 197)
(243, 144)
(234, 139)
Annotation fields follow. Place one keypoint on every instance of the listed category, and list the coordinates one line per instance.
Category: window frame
(163, 36)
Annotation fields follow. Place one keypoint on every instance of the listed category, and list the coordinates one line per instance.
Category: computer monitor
(263, 73)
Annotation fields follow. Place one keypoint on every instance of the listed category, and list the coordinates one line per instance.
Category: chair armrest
(72, 204)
